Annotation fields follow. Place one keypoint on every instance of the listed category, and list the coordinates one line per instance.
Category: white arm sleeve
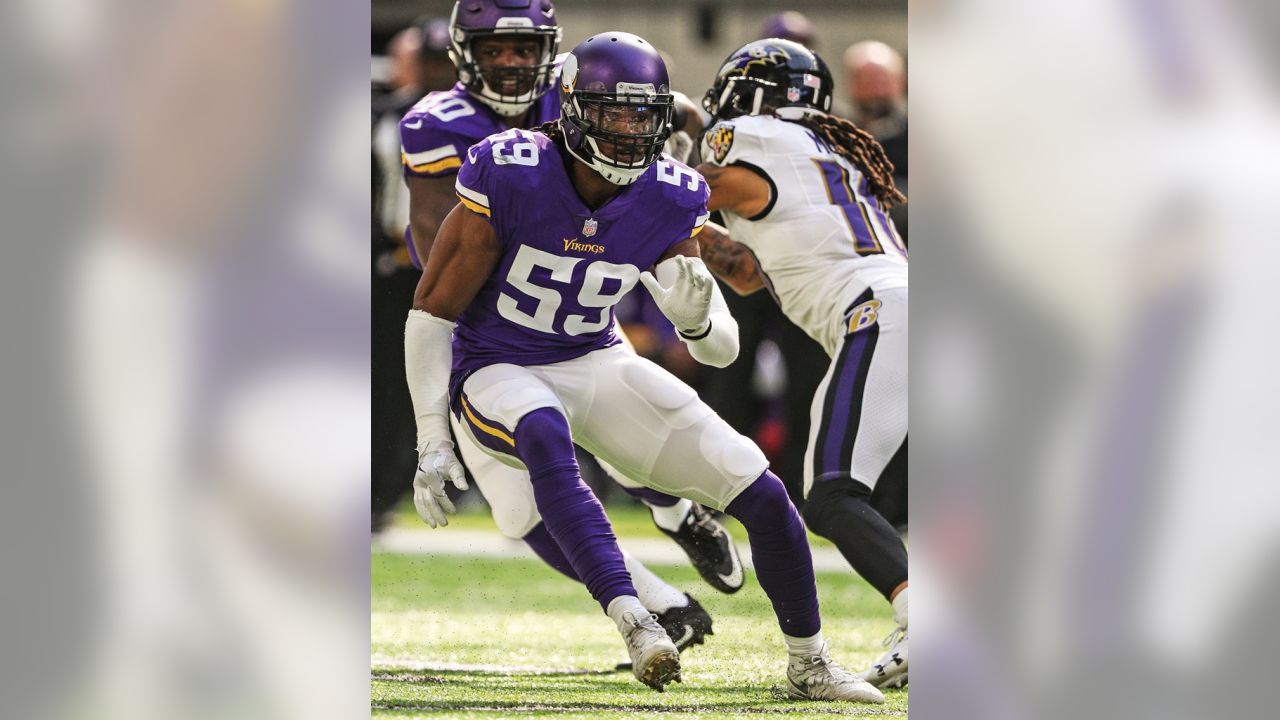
(428, 360)
(717, 345)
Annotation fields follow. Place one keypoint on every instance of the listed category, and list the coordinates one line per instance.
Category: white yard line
(384, 662)
(483, 543)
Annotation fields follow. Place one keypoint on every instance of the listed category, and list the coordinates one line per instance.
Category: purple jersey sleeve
(475, 178)
(686, 193)
(476, 182)
(499, 176)
(435, 133)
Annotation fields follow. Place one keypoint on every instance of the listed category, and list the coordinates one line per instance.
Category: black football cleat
(710, 548)
(687, 626)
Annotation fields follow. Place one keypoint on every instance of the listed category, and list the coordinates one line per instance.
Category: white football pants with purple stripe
(624, 410)
(508, 490)
(858, 418)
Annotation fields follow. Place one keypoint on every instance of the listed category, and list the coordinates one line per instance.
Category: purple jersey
(564, 266)
(436, 132)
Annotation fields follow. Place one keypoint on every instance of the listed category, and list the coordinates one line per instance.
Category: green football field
(458, 636)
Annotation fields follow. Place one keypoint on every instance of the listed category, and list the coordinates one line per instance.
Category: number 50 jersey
(823, 240)
(564, 266)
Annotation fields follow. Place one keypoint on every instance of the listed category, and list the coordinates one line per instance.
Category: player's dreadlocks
(860, 148)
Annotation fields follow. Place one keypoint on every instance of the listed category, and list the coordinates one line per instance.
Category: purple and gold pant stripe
(842, 406)
(489, 433)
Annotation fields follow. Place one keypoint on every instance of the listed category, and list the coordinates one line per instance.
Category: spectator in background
(791, 25)
(419, 64)
(876, 84)
(419, 60)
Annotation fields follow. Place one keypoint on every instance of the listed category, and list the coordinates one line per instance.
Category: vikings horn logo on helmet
(569, 73)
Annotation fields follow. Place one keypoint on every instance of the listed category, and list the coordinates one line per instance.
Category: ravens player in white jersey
(805, 196)
(505, 53)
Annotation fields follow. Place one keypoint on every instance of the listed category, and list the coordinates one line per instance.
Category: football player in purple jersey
(805, 195)
(512, 331)
(504, 53)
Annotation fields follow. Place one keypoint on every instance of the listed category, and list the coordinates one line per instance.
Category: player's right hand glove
(687, 303)
(437, 464)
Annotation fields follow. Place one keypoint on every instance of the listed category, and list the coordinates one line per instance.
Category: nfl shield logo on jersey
(589, 227)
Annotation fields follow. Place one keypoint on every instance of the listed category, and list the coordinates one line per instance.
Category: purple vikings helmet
(765, 75)
(504, 18)
(615, 105)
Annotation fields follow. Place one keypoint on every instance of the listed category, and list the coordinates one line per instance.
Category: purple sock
(541, 542)
(650, 496)
(570, 511)
(780, 552)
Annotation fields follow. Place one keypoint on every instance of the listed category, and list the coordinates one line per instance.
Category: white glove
(436, 464)
(679, 145)
(687, 303)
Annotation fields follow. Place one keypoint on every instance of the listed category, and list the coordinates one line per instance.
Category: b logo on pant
(863, 316)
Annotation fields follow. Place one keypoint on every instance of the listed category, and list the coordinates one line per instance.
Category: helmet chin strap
(796, 112)
(505, 109)
(617, 176)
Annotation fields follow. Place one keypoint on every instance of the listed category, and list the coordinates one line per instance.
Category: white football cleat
(890, 671)
(818, 677)
(655, 661)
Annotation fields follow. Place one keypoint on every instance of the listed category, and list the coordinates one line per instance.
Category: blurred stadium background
(695, 34)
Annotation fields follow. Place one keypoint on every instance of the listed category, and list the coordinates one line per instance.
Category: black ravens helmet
(768, 74)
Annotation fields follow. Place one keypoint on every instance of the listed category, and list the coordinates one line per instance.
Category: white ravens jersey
(823, 240)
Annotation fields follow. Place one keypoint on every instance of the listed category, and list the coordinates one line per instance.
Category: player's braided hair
(860, 148)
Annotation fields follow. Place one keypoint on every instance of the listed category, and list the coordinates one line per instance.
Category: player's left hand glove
(436, 464)
(687, 303)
